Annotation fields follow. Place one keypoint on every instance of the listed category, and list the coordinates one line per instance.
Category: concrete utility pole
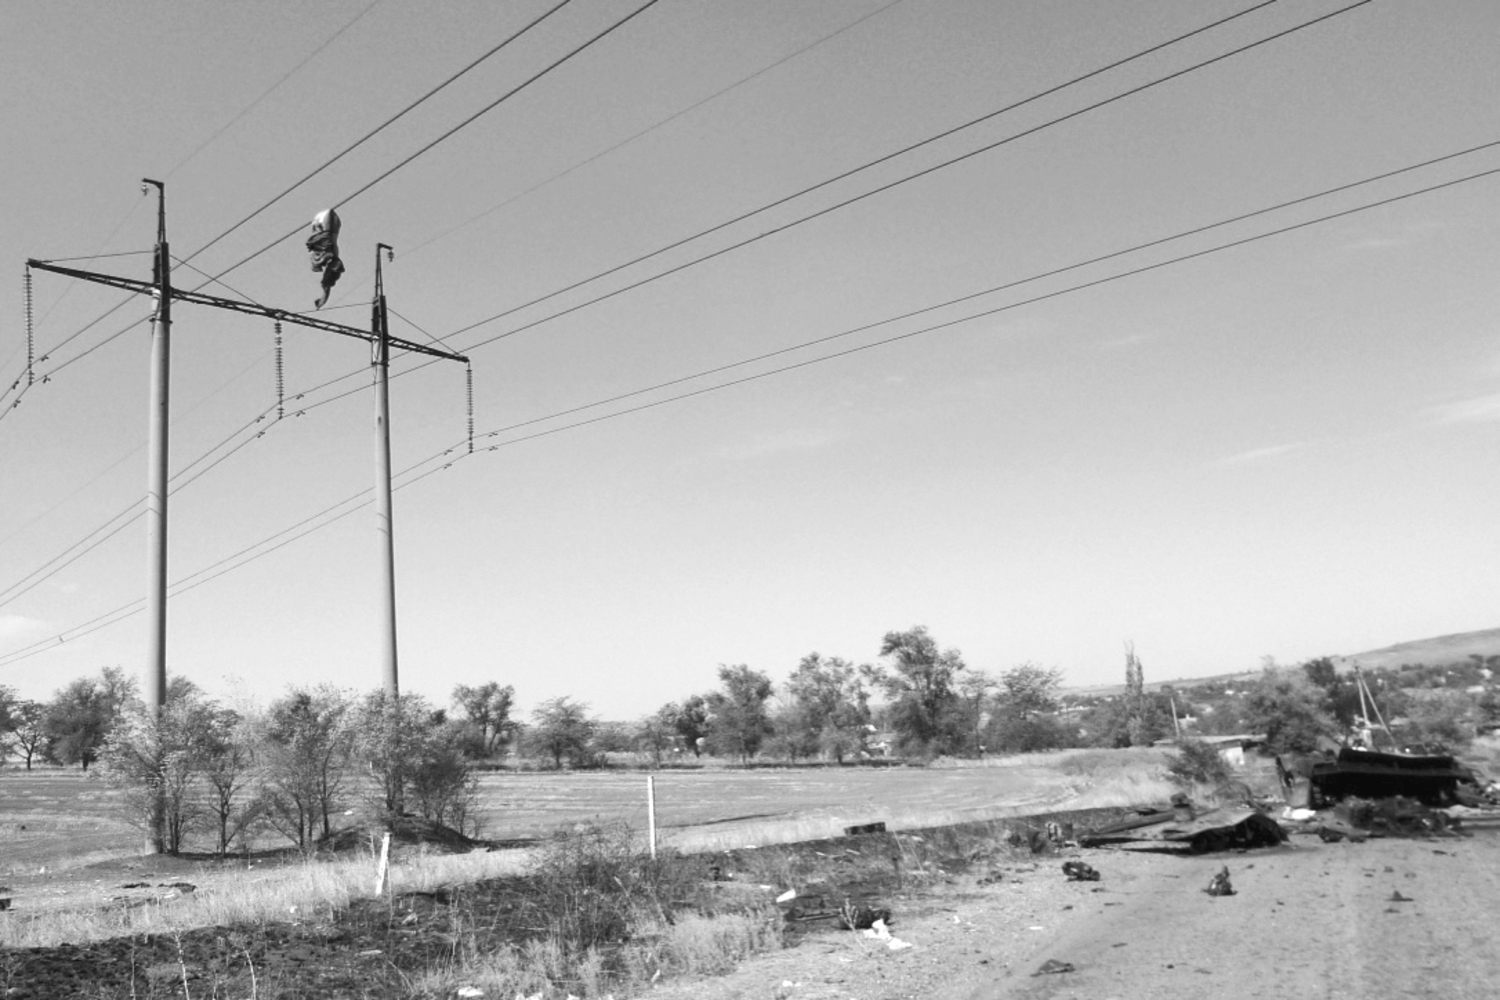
(160, 288)
(156, 504)
(156, 468)
(380, 344)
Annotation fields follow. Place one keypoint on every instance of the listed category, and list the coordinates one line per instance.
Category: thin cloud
(1478, 410)
(781, 443)
(1261, 454)
(1129, 340)
(19, 626)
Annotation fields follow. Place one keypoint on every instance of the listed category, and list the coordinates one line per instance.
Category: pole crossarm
(148, 287)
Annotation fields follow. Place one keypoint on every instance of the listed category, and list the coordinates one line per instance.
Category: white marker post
(651, 813)
(383, 872)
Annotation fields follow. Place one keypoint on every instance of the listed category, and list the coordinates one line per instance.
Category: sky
(1283, 448)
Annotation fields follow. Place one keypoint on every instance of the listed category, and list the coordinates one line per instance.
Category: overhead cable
(458, 450)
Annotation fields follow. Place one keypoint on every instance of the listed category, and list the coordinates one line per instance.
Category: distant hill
(1440, 650)
(1108, 690)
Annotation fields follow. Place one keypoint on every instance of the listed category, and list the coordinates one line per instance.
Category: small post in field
(651, 813)
(383, 872)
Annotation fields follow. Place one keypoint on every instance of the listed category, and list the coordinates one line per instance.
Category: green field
(63, 819)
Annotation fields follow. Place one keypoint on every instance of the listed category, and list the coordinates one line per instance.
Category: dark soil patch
(375, 948)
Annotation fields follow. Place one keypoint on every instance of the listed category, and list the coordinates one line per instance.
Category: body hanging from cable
(323, 248)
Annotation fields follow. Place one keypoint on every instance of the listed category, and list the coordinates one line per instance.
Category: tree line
(310, 755)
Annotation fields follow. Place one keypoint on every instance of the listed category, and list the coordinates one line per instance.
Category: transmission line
(874, 191)
(271, 89)
(457, 449)
(348, 149)
(656, 125)
(1010, 107)
(374, 132)
(460, 126)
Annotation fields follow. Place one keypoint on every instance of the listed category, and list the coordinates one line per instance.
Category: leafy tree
(27, 735)
(1023, 720)
(827, 707)
(304, 747)
(561, 729)
(80, 715)
(1197, 762)
(739, 721)
(443, 786)
(656, 733)
(1107, 724)
(155, 759)
(227, 763)
(1342, 693)
(1286, 706)
(1445, 718)
(792, 736)
(690, 722)
(416, 757)
(922, 685)
(8, 702)
(487, 707)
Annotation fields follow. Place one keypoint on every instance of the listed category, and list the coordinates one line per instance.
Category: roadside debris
(857, 918)
(1220, 829)
(1077, 871)
(1053, 967)
(1220, 885)
(880, 932)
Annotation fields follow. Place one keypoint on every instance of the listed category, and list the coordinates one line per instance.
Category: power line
(421, 151)
(874, 191)
(271, 89)
(348, 149)
(848, 173)
(657, 125)
(1085, 76)
(994, 311)
(216, 569)
(462, 125)
(376, 131)
(457, 449)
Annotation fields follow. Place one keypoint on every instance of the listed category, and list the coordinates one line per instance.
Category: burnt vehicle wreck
(1433, 779)
(1185, 826)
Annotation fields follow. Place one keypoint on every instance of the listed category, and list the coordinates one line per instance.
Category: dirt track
(1308, 920)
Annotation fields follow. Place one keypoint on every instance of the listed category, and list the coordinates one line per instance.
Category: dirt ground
(1307, 920)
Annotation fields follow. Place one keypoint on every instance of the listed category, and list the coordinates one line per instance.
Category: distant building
(1231, 748)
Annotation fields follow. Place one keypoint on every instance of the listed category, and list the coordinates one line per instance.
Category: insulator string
(280, 377)
(30, 336)
(469, 388)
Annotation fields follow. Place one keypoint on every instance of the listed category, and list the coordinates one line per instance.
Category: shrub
(1198, 763)
(593, 887)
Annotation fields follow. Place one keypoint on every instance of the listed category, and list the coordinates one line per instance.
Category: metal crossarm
(149, 287)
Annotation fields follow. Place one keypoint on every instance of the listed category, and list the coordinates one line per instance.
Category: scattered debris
(1396, 897)
(880, 932)
(857, 918)
(1220, 829)
(1219, 885)
(1077, 871)
(854, 831)
(1053, 967)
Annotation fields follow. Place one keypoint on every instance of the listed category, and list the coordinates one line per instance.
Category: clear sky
(1288, 448)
